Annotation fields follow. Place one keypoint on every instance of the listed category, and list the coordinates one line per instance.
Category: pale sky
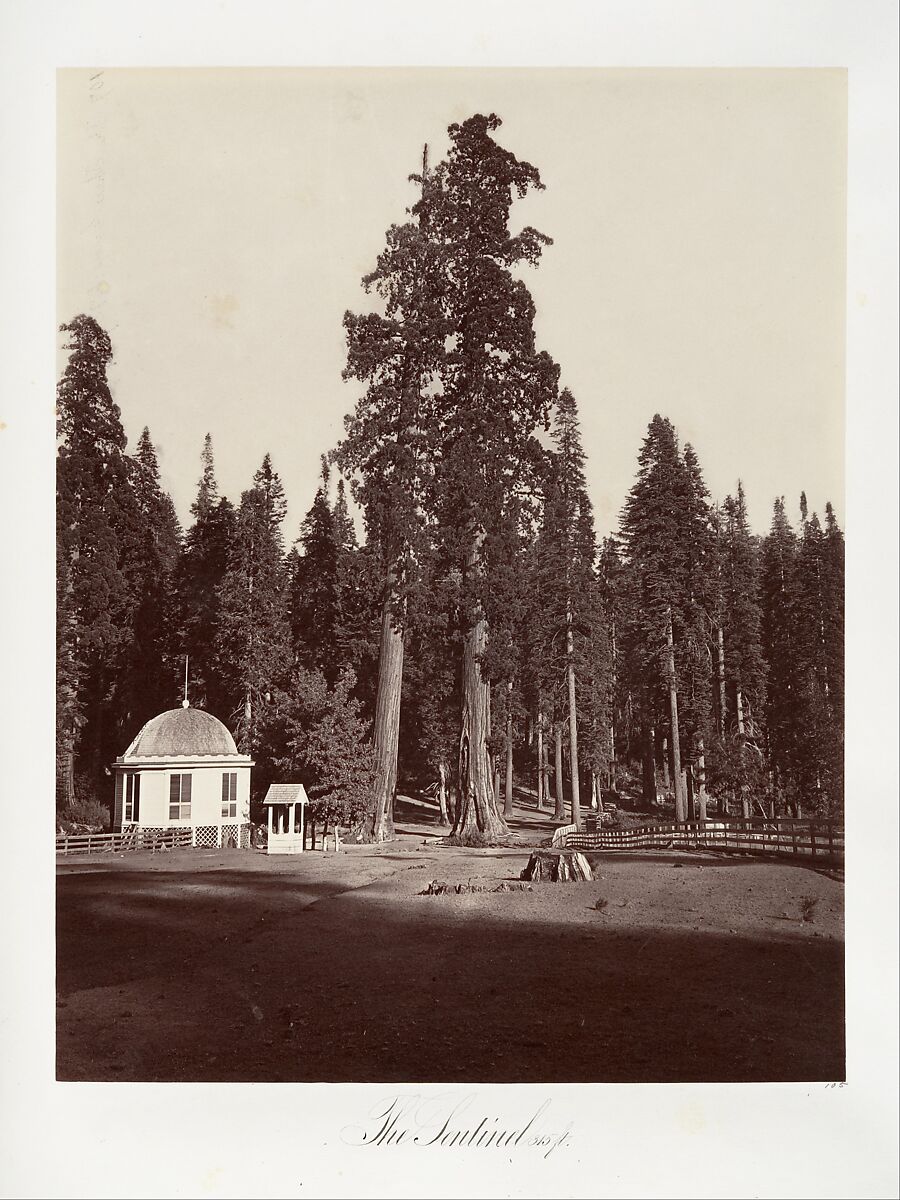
(218, 222)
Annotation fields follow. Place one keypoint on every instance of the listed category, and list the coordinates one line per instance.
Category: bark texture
(387, 721)
(557, 866)
(477, 808)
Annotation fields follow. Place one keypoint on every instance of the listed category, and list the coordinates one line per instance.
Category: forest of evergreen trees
(479, 638)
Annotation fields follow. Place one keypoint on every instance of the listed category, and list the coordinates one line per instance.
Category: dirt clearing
(218, 965)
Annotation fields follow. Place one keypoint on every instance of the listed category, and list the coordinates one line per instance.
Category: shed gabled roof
(286, 793)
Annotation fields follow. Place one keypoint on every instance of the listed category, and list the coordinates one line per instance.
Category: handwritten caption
(456, 1122)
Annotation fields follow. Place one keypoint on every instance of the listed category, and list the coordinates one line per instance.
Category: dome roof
(187, 732)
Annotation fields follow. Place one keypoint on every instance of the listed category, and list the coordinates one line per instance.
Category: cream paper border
(285, 1140)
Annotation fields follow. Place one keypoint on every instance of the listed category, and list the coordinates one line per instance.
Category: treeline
(479, 635)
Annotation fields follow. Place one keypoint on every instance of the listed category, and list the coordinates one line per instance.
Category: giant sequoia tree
(443, 435)
(496, 389)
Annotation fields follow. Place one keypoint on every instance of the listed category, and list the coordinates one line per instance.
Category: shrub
(808, 908)
(87, 811)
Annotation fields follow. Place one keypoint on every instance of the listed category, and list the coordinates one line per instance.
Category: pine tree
(613, 599)
(833, 656)
(199, 575)
(780, 599)
(316, 588)
(98, 537)
(319, 735)
(668, 538)
(153, 654)
(252, 646)
(737, 764)
(819, 648)
(569, 602)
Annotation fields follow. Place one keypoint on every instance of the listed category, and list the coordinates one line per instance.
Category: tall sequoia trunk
(664, 760)
(648, 764)
(678, 782)
(573, 719)
(614, 684)
(720, 672)
(560, 814)
(380, 825)
(611, 770)
(540, 759)
(702, 795)
(65, 779)
(545, 768)
(508, 796)
(477, 808)
(443, 771)
(739, 709)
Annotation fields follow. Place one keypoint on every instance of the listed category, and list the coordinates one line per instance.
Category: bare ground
(229, 965)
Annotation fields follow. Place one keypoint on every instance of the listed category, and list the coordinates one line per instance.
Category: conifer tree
(780, 598)
(199, 575)
(819, 643)
(613, 599)
(667, 536)
(316, 609)
(495, 390)
(319, 734)
(252, 647)
(98, 536)
(736, 767)
(150, 673)
(569, 598)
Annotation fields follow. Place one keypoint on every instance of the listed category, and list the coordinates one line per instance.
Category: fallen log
(557, 866)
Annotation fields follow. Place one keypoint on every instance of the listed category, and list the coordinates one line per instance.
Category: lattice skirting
(233, 836)
(206, 836)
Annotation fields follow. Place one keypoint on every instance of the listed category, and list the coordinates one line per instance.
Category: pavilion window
(132, 796)
(229, 794)
(179, 797)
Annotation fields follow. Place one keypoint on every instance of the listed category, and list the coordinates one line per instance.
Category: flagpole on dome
(185, 702)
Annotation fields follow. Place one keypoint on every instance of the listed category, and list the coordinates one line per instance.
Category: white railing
(779, 835)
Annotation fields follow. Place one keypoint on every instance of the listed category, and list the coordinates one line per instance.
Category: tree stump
(557, 866)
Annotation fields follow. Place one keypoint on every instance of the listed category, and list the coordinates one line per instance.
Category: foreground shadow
(235, 975)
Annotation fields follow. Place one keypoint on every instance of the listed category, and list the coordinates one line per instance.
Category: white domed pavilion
(183, 771)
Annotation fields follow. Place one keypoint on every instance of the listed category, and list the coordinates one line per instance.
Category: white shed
(286, 803)
(183, 771)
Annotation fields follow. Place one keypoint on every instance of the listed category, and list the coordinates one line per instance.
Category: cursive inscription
(454, 1122)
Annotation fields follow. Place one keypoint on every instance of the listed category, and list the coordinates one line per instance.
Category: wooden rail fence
(820, 840)
(132, 839)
